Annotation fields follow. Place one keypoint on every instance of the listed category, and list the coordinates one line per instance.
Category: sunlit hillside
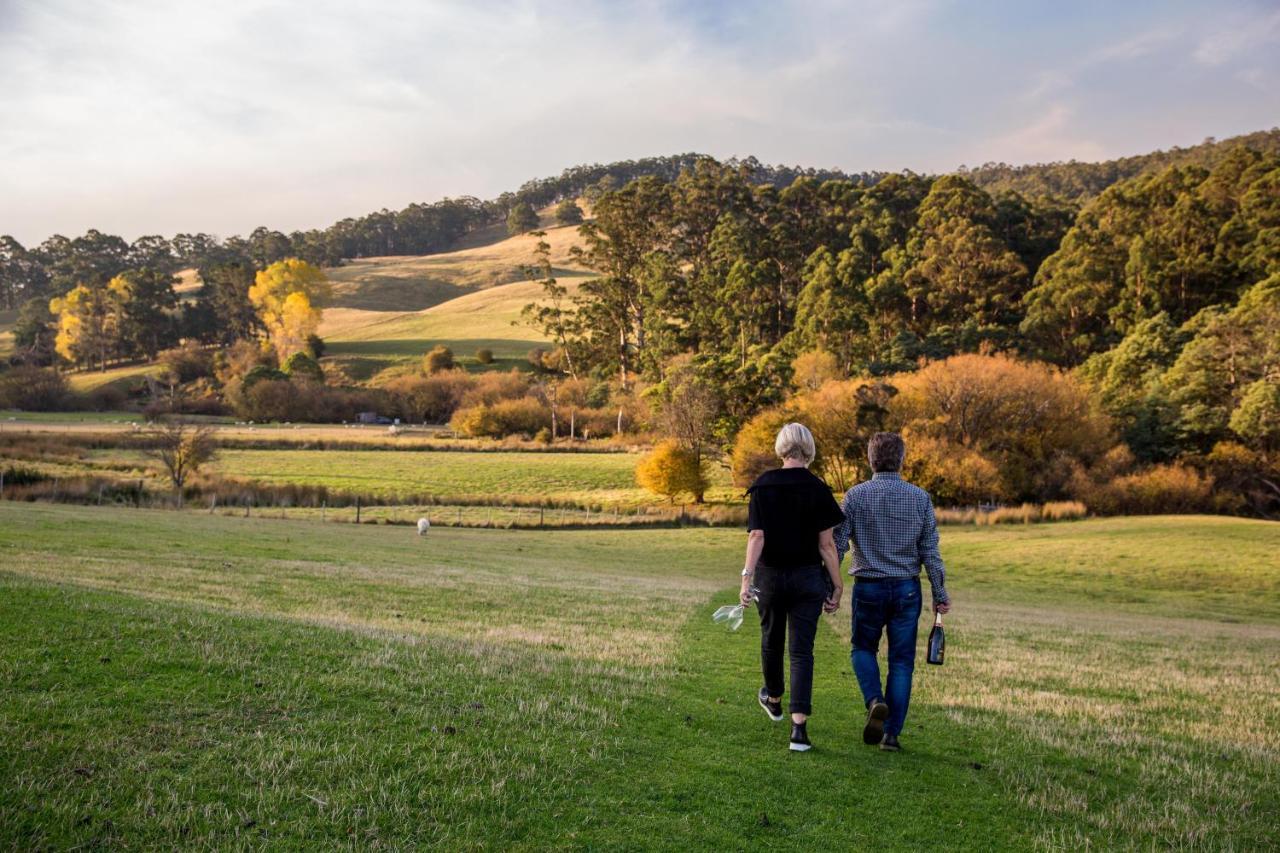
(391, 309)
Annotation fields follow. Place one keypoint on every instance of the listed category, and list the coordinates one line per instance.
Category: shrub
(1031, 420)
(106, 398)
(501, 418)
(429, 399)
(315, 346)
(262, 373)
(240, 358)
(439, 358)
(537, 358)
(953, 474)
(1161, 489)
(302, 365)
(484, 355)
(752, 452)
(489, 388)
(35, 389)
(281, 400)
(186, 363)
(671, 470)
(1245, 478)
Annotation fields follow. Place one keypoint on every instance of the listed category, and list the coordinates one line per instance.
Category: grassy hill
(181, 679)
(392, 310)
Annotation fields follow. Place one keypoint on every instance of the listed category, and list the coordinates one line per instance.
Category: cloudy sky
(140, 117)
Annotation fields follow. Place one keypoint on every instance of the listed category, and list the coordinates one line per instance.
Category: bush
(502, 418)
(752, 452)
(315, 346)
(302, 365)
(281, 400)
(237, 360)
(484, 355)
(1031, 420)
(262, 373)
(34, 389)
(186, 363)
(106, 398)
(1158, 490)
(429, 399)
(671, 470)
(489, 388)
(952, 474)
(439, 358)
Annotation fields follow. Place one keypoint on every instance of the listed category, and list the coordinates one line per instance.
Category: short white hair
(795, 442)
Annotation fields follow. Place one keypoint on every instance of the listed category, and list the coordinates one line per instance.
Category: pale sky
(161, 116)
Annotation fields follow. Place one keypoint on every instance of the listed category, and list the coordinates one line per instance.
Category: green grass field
(606, 479)
(172, 679)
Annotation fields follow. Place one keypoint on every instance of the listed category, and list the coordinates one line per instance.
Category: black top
(792, 506)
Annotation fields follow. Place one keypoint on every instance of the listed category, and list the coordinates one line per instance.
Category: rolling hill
(393, 309)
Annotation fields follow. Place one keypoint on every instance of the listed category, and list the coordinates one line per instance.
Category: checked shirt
(893, 532)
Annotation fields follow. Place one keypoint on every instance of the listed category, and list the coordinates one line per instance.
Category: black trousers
(790, 605)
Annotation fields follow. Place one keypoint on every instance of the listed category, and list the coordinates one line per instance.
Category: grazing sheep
(423, 526)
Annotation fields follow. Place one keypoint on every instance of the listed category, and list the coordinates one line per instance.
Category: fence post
(323, 506)
(1, 485)
(357, 509)
(542, 511)
(213, 504)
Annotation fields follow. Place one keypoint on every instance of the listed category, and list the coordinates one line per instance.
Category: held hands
(832, 604)
(942, 607)
(746, 595)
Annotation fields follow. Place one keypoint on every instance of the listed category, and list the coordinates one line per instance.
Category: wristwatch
(746, 573)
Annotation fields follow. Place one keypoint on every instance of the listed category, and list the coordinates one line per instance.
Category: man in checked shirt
(893, 532)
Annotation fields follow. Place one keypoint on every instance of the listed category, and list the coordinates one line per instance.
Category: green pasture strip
(1208, 567)
(598, 478)
(137, 724)
(1046, 729)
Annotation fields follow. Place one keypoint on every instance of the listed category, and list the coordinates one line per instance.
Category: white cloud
(1052, 136)
(143, 116)
(1238, 38)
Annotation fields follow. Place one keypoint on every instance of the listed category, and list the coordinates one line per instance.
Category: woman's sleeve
(829, 513)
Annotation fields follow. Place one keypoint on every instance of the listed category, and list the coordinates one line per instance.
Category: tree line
(1161, 296)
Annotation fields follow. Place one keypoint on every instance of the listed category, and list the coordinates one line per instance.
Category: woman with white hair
(791, 572)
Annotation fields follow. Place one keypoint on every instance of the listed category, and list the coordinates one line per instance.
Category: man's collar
(886, 475)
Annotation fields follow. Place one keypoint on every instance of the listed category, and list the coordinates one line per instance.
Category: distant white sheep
(423, 526)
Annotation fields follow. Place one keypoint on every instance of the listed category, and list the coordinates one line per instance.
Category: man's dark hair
(885, 452)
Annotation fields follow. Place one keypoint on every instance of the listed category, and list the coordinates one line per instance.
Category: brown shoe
(877, 711)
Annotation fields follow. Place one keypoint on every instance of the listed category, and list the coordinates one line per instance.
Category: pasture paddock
(179, 678)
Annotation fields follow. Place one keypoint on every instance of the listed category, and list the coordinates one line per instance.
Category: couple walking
(797, 536)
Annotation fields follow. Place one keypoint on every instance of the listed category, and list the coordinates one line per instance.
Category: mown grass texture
(184, 679)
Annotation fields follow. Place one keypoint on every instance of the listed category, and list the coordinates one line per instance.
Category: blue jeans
(892, 607)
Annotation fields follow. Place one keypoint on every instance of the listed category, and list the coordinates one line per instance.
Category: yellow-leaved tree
(671, 470)
(89, 319)
(290, 297)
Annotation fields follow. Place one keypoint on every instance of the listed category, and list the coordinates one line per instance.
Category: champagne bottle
(937, 642)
